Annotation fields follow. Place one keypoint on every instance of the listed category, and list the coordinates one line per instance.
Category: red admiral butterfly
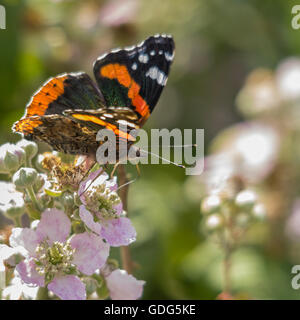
(69, 109)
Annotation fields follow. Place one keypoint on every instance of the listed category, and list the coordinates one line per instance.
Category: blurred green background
(218, 43)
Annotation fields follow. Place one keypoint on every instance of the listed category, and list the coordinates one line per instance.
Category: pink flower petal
(91, 252)
(26, 238)
(54, 225)
(118, 208)
(68, 288)
(112, 184)
(88, 220)
(118, 232)
(88, 182)
(123, 286)
(28, 273)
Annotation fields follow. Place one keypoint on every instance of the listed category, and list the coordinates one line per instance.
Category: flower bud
(46, 200)
(214, 222)
(13, 212)
(67, 200)
(246, 199)
(259, 211)
(102, 291)
(39, 162)
(242, 219)
(11, 158)
(40, 182)
(91, 285)
(25, 177)
(210, 204)
(29, 147)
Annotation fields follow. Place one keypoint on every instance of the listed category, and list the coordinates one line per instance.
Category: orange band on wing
(27, 125)
(121, 74)
(107, 125)
(47, 94)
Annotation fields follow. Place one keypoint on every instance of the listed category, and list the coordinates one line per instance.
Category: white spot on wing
(143, 58)
(160, 52)
(108, 115)
(155, 74)
(152, 53)
(169, 57)
(126, 123)
(134, 66)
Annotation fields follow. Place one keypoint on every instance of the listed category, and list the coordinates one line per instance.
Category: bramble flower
(19, 290)
(292, 227)
(63, 175)
(288, 79)
(56, 261)
(248, 151)
(259, 94)
(102, 210)
(118, 12)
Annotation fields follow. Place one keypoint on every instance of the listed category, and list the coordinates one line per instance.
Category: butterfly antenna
(168, 161)
(126, 184)
(181, 146)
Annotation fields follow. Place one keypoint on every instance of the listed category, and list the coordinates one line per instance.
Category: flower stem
(33, 198)
(28, 163)
(127, 263)
(18, 222)
(226, 269)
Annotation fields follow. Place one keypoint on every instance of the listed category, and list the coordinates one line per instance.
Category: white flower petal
(123, 286)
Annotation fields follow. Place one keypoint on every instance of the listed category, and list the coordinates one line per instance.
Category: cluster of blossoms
(72, 218)
(252, 170)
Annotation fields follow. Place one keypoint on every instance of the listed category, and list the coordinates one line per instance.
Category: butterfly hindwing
(61, 133)
(135, 77)
(119, 120)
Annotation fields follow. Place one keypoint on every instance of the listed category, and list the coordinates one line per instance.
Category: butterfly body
(68, 110)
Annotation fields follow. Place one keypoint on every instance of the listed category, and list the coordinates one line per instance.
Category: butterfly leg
(114, 169)
(138, 170)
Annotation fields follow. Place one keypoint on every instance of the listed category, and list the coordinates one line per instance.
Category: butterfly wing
(135, 77)
(44, 118)
(119, 120)
(61, 133)
(67, 91)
